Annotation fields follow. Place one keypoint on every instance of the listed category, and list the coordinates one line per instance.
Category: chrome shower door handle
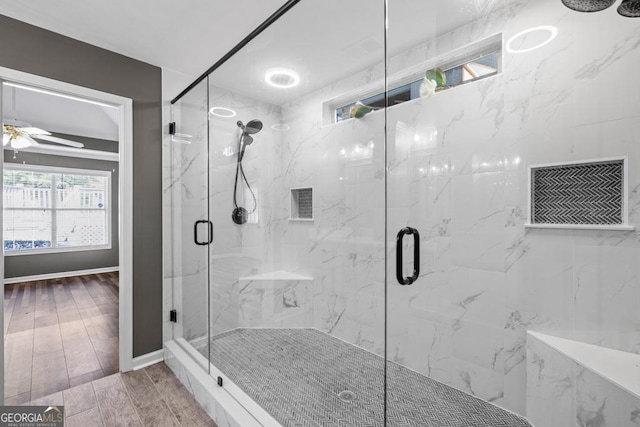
(416, 256)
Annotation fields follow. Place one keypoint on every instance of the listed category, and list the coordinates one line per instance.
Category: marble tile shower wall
(343, 249)
(579, 395)
(458, 172)
(253, 248)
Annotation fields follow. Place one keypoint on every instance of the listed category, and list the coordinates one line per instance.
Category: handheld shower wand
(240, 214)
(254, 126)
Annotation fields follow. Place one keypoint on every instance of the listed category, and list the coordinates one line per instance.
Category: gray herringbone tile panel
(590, 193)
(297, 374)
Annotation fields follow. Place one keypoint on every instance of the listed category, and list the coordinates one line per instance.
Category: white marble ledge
(621, 227)
(277, 275)
(618, 367)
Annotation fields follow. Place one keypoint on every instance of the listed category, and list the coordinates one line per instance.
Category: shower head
(254, 126)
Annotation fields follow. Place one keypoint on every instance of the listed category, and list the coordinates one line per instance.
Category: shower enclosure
(438, 205)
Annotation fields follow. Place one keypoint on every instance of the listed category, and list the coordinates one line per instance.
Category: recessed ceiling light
(222, 112)
(280, 126)
(282, 78)
(552, 34)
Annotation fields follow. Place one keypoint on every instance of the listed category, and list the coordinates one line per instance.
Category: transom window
(48, 209)
(485, 64)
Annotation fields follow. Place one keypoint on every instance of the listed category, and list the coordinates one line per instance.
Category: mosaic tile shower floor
(297, 374)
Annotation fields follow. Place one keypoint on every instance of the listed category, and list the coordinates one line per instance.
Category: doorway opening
(67, 235)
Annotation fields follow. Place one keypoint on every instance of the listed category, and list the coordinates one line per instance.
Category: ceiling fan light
(13, 133)
(630, 8)
(22, 142)
(588, 5)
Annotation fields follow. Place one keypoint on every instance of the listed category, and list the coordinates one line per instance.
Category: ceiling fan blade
(34, 131)
(59, 140)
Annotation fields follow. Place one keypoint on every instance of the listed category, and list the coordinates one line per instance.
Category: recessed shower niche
(583, 194)
(302, 204)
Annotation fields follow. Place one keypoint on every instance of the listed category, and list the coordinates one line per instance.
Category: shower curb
(223, 408)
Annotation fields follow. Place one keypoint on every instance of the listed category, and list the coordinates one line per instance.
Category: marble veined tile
(455, 166)
(551, 386)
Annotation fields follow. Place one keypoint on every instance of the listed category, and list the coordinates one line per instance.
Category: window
(49, 209)
(473, 63)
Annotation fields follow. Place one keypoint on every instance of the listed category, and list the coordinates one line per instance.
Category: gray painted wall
(27, 265)
(37, 51)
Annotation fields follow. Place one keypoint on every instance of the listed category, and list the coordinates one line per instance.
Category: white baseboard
(148, 359)
(48, 276)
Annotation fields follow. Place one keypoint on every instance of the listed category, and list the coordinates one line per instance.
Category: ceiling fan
(17, 135)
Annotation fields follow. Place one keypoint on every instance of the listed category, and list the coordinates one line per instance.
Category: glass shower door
(297, 206)
(503, 161)
(191, 230)
(446, 294)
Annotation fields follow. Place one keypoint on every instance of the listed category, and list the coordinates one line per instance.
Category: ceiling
(60, 114)
(183, 37)
(187, 36)
(324, 41)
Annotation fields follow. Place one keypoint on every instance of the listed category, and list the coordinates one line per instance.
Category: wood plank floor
(59, 333)
(152, 397)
